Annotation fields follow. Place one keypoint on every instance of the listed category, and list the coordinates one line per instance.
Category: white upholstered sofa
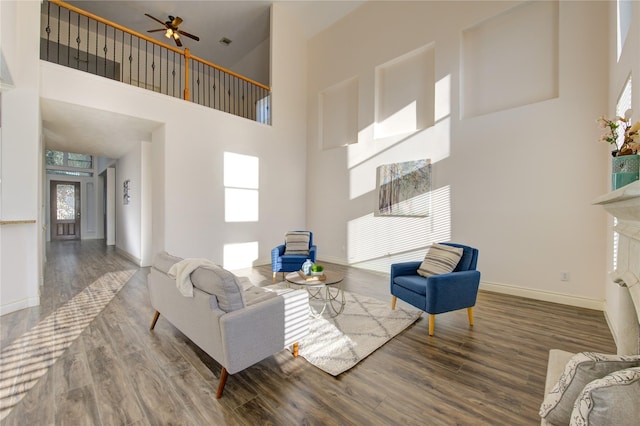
(236, 323)
(594, 389)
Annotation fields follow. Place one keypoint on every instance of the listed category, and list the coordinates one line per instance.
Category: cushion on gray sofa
(254, 294)
(612, 400)
(163, 261)
(581, 369)
(222, 284)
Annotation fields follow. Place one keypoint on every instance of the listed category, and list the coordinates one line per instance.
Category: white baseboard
(129, 256)
(547, 296)
(19, 304)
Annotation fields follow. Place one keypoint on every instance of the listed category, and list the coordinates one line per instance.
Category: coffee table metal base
(329, 292)
(330, 296)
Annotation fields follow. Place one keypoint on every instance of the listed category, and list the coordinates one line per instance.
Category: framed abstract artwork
(404, 189)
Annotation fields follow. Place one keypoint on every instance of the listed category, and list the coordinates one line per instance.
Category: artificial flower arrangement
(631, 143)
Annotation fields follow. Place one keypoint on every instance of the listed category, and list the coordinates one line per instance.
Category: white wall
(516, 183)
(129, 215)
(21, 254)
(190, 165)
(255, 65)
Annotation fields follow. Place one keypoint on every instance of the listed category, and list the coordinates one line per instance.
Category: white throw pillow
(440, 259)
(297, 243)
(612, 400)
(581, 369)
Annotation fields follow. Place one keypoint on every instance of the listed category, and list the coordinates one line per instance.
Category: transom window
(68, 163)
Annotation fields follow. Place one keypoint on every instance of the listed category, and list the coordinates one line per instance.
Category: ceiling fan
(171, 29)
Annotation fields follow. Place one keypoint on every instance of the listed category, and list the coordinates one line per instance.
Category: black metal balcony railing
(81, 40)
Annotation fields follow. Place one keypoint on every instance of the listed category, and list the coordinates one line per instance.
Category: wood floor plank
(77, 407)
(118, 372)
(117, 403)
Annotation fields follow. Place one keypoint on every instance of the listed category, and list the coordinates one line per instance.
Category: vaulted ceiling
(245, 23)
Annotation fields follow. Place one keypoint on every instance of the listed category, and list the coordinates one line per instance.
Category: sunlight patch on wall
(432, 143)
(241, 182)
(377, 242)
(404, 93)
(442, 100)
(240, 255)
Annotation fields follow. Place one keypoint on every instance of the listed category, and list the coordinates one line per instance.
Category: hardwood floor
(117, 372)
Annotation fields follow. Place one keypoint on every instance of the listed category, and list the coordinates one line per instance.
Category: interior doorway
(65, 210)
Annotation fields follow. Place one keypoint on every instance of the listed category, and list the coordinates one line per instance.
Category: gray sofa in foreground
(589, 388)
(234, 322)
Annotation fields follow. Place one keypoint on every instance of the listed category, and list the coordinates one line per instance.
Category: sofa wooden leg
(155, 320)
(394, 299)
(295, 350)
(223, 381)
(470, 313)
(432, 324)
(274, 277)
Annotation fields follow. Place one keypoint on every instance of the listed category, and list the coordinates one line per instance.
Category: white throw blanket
(182, 270)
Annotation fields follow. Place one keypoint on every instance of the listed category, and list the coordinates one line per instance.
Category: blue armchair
(282, 262)
(438, 293)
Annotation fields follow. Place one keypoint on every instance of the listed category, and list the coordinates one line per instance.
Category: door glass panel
(66, 205)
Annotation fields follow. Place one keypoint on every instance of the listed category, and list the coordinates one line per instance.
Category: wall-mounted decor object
(126, 186)
(404, 189)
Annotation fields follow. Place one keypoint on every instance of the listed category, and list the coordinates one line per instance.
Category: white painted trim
(611, 324)
(20, 304)
(547, 296)
(129, 256)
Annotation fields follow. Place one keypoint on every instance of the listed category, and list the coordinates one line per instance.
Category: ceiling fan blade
(184, 33)
(155, 19)
(178, 42)
(159, 29)
(176, 22)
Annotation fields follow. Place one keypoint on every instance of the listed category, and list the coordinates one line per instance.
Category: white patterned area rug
(337, 344)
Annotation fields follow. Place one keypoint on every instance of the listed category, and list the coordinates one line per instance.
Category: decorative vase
(306, 267)
(625, 169)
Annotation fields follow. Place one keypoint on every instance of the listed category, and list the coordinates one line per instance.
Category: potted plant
(626, 161)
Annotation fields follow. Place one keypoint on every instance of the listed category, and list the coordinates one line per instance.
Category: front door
(65, 210)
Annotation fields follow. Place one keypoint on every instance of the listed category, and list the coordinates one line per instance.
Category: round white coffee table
(328, 290)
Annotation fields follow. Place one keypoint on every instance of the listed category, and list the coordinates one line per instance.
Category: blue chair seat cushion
(415, 283)
(291, 259)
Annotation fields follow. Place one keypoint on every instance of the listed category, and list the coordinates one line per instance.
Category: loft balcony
(77, 39)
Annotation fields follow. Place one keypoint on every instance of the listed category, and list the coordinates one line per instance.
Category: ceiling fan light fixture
(169, 33)
(176, 35)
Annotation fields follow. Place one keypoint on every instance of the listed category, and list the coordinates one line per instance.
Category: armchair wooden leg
(274, 277)
(470, 313)
(393, 302)
(432, 324)
(155, 319)
(223, 381)
(295, 350)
